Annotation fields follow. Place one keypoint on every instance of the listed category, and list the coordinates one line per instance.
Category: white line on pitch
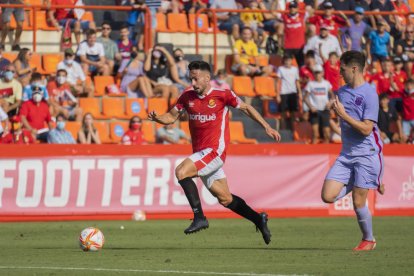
(136, 270)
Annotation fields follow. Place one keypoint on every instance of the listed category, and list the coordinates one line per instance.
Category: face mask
(69, 61)
(60, 125)
(8, 75)
(178, 58)
(134, 55)
(156, 54)
(220, 81)
(61, 79)
(135, 126)
(37, 97)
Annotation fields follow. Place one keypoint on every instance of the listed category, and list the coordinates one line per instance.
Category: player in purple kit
(360, 164)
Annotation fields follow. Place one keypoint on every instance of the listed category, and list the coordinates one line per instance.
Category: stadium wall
(72, 182)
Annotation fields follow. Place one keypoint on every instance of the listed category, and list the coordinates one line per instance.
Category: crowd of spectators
(309, 35)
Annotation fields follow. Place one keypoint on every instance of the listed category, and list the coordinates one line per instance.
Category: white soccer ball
(91, 239)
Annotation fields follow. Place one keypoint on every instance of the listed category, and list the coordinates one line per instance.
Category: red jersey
(383, 83)
(25, 137)
(399, 79)
(63, 13)
(209, 118)
(333, 23)
(37, 116)
(294, 31)
(408, 107)
(332, 74)
(305, 74)
(133, 138)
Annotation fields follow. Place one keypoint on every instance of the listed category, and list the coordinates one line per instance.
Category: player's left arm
(252, 113)
(364, 127)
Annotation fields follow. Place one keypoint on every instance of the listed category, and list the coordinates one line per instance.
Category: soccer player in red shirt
(208, 111)
(134, 135)
(333, 22)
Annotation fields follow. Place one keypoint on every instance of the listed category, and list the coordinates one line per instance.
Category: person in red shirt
(383, 79)
(35, 114)
(208, 112)
(58, 18)
(332, 21)
(17, 135)
(62, 99)
(293, 32)
(332, 68)
(408, 111)
(399, 77)
(134, 135)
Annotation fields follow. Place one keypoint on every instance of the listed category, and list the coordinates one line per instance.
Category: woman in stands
(22, 64)
(88, 134)
(134, 135)
(182, 69)
(161, 69)
(134, 82)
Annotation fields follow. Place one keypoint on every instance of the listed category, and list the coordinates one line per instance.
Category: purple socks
(365, 222)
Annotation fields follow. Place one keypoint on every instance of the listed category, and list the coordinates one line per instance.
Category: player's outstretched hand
(273, 133)
(152, 116)
(338, 107)
(381, 188)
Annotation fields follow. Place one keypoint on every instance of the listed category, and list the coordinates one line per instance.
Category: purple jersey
(361, 104)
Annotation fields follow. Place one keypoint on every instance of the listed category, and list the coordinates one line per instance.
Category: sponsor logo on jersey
(190, 104)
(203, 117)
(211, 103)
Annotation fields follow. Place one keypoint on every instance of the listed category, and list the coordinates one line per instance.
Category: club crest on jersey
(358, 101)
(211, 103)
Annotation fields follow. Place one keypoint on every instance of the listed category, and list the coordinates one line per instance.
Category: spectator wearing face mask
(4, 62)
(10, 90)
(62, 99)
(36, 81)
(134, 135)
(182, 69)
(60, 135)
(35, 116)
(76, 77)
(220, 80)
(17, 135)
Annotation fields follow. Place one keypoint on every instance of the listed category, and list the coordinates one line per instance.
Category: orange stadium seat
(148, 130)
(102, 128)
(177, 22)
(159, 105)
(11, 56)
(101, 82)
(161, 22)
(113, 108)
(185, 127)
(242, 86)
(118, 128)
(136, 107)
(202, 22)
(93, 106)
(73, 128)
(303, 132)
(237, 134)
(264, 86)
(41, 22)
(263, 60)
(88, 16)
(50, 62)
(36, 61)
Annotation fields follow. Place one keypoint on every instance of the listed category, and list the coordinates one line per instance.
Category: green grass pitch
(312, 246)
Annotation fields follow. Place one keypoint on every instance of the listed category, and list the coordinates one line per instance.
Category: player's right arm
(166, 118)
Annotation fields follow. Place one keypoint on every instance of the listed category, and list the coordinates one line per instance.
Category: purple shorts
(359, 171)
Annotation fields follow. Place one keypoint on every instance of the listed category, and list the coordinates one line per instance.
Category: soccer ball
(91, 239)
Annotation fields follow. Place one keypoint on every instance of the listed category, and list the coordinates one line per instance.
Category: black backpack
(272, 46)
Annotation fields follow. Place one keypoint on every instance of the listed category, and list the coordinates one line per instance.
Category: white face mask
(69, 61)
(61, 79)
(37, 97)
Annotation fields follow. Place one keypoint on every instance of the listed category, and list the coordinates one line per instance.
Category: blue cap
(359, 10)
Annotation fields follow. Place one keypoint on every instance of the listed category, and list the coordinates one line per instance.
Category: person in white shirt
(5, 118)
(317, 95)
(323, 44)
(290, 93)
(75, 76)
(92, 55)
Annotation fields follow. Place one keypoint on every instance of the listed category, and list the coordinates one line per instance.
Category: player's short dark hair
(354, 58)
(333, 54)
(62, 70)
(310, 54)
(383, 96)
(124, 26)
(199, 65)
(90, 32)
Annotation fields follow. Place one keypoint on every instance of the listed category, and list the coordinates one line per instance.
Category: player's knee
(225, 200)
(328, 198)
(180, 173)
